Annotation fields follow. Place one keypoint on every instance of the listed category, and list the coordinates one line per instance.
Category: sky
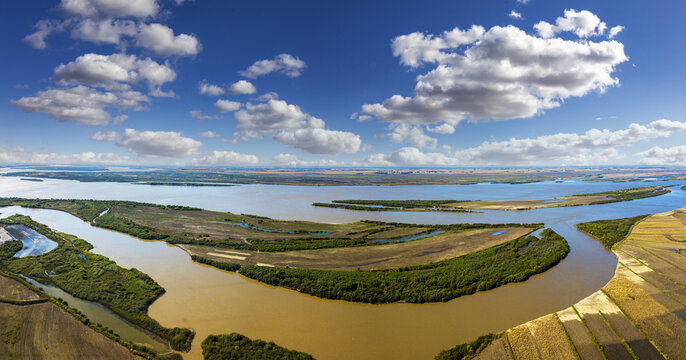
(353, 83)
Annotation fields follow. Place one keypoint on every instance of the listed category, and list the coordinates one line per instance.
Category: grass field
(447, 205)
(435, 248)
(640, 313)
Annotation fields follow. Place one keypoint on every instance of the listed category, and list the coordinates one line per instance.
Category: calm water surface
(212, 301)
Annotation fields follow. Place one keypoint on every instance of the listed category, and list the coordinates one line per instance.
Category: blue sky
(82, 81)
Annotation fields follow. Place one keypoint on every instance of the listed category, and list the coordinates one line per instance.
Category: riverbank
(637, 314)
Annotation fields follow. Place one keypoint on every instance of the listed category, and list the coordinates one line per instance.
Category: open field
(44, 331)
(457, 205)
(435, 248)
(639, 313)
(11, 289)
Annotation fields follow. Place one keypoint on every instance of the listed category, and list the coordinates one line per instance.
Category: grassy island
(89, 276)
(513, 261)
(605, 197)
(192, 226)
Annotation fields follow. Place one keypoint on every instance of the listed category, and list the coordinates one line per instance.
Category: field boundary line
(663, 259)
(569, 339)
(595, 341)
(509, 346)
(655, 286)
(638, 326)
(617, 334)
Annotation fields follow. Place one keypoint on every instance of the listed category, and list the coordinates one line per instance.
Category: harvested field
(448, 245)
(550, 338)
(523, 344)
(578, 334)
(11, 289)
(498, 350)
(640, 313)
(44, 331)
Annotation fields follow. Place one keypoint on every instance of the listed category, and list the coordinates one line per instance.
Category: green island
(513, 261)
(238, 347)
(89, 276)
(610, 232)
(192, 226)
(367, 261)
(598, 198)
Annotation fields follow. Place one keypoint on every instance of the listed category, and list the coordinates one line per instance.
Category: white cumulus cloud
(286, 64)
(500, 73)
(104, 136)
(226, 158)
(21, 155)
(242, 87)
(227, 105)
(197, 114)
(657, 155)
(114, 71)
(161, 39)
(158, 144)
(82, 104)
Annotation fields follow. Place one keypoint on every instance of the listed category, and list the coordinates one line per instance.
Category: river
(213, 301)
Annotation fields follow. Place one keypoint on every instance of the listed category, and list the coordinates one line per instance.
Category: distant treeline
(628, 194)
(393, 205)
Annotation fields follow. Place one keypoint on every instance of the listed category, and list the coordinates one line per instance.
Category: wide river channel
(214, 302)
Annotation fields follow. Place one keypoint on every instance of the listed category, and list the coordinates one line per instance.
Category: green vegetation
(128, 293)
(217, 264)
(186, 225)
(610, 232)
(319, 177)
(238, 347)
(628, 194)
(139, 350)
(393, 205)
(467, 350)
(513, 261)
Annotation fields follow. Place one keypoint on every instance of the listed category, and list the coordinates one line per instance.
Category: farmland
(638, 314)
